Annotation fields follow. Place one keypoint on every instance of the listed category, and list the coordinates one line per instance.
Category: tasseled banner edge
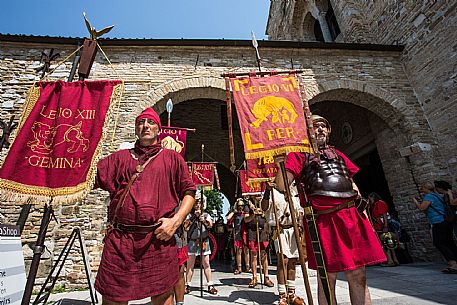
(258, 180)
(277, 151)
(16, 193)
(10, 197)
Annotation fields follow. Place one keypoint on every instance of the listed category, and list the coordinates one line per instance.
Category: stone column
(324, 26)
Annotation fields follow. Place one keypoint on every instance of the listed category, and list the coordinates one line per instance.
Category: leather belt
(286, 226)
(345, 205)
(141, 229)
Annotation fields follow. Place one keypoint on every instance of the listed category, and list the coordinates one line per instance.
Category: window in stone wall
(318, 32)
(332, 23)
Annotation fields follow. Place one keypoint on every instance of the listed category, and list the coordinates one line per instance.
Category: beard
(321, 140)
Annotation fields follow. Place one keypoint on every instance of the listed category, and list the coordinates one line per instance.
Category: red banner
(203, 173)
(174, 138)
(59, 139)
(249, 187)
(271, 115)
(261, 169)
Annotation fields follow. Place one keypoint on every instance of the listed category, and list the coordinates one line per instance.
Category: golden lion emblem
(45, 138)
(170, 143)
(280, 109)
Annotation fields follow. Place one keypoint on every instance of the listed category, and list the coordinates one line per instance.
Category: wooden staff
(301, 255)
(258, 250)
(229, 124)
(281, 252)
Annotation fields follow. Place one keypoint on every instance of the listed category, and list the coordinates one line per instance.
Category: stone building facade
(377, 111)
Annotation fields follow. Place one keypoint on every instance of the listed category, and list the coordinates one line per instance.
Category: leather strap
(142, 229)
(132, 179)
(345, 205)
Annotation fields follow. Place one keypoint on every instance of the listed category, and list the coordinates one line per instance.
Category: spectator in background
(433, 205)
(197, 226)
(236, 218)
(450, 197)
(380, 219)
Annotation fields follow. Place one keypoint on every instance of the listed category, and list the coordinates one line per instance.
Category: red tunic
(379, 208)
(347, 238)
(136, 266)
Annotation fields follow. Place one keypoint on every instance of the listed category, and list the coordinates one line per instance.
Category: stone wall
(427, 29)
(374, 80)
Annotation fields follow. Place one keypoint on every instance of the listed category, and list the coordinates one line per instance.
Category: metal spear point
(256, 46)
(169, 110)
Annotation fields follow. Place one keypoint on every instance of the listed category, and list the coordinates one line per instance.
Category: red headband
(149, 113)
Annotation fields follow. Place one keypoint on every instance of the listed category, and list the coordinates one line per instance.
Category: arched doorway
(209, 118)
(353, 134)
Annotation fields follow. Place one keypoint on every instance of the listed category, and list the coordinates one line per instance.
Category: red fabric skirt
(240, 244)
(253, 246)
(136, 266)
(183, 255)
(347, 238)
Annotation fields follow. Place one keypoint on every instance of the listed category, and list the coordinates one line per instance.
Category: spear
(255, 44)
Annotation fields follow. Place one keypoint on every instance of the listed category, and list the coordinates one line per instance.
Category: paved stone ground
(412, 284)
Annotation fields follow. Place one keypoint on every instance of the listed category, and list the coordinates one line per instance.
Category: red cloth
(347, 238)
(254, 248)
(379, 208)
(136, 266)
(149, 113)
(183, 255)
(52, 153)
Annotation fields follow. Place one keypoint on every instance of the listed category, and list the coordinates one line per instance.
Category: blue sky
(158, 19)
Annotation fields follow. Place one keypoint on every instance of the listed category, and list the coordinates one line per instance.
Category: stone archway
(199, 103)
(183, 89)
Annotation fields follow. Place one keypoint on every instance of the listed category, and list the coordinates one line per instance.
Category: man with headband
(145, 185)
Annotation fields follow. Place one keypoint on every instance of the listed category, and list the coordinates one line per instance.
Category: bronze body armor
(327, 177)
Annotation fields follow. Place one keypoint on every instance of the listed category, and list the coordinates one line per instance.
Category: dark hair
(375, 196)
(442, 184)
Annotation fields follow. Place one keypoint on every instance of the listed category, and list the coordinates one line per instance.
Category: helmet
(317, 118)
(389, 240)
(239, 202)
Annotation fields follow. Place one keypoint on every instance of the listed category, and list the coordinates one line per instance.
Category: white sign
(12, 271)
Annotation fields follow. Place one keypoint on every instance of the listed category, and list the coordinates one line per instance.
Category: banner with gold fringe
(270, 114)
(203, 173)
(261, 169)
(58, 142)
(249, 187)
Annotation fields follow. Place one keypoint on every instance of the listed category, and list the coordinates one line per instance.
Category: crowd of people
(158, 226)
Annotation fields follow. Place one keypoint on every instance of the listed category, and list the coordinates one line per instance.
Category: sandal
(237, 272)
(253, 283)
(283, 299)
(187, 289)
(212, 289)
(267, 282)
(294, 299)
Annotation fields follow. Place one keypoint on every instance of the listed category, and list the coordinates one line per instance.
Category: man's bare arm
(279, 180)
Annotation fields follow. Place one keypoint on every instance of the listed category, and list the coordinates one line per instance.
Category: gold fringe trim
(277, 151)
(18, 192)
(258, 180)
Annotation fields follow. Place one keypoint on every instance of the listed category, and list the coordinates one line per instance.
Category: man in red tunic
(348, 241)
(145, 185)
